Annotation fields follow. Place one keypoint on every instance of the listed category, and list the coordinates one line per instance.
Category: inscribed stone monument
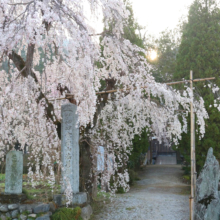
(101, 159)
(70, 147)
(14, 172)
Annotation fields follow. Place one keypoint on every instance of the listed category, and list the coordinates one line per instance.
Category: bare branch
(21, 3)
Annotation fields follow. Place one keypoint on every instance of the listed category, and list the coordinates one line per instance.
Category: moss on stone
(67, 214)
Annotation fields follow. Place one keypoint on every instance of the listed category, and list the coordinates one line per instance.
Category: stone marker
(207, 206)
(70, 147)
(101, 159)
(110, 164)
(14, 172)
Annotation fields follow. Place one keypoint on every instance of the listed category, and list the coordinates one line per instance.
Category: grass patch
(67, 214)
(187, 177)
(130, 208)
(99, 203)
(42, 192)
(2, 177)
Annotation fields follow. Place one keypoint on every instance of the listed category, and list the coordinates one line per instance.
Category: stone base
(79, 199)
(6, 198)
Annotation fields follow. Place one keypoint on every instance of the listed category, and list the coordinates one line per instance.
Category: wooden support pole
(192, 151)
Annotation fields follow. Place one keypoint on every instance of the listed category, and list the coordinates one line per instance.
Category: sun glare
(153, 54)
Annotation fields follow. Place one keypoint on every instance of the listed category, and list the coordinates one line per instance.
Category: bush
(187, 170)
(67, 214)
(120, 190)
(132, 176)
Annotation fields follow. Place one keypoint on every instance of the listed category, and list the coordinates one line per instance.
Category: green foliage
(132, 31)
(199, 51)
(2, 177)
(120, 190)
(132, 176)
(166, 47)
(67, 214)
(140, 146)
(25, 191)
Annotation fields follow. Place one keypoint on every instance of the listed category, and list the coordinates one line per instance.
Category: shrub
(67, 214)
(132, 176)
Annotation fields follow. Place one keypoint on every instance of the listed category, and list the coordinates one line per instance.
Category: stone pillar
(70, 147)
(14, 172)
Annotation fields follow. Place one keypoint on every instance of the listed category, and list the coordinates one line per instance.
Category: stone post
(70, 147)
(70, 157)
(14, 172)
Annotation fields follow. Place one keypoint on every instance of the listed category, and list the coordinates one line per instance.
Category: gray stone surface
(86, 212)
(29, 209)
(44, 217)
(23, 217)
(41, 208)
(70, 147)
(3, 208)
(59, 200)
(207, 206)
(32, 215)
(52, 207)
(14, 213)
(22, 208)
(14, 172)
(12, 206)
(2, 217)
(79, 198)
(8, 214)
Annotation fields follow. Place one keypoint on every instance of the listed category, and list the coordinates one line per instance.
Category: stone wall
(39, 211)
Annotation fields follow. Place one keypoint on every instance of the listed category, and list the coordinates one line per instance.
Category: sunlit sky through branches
(155, 15)
(158, 15)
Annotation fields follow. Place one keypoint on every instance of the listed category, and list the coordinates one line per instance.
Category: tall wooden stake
(192, 151)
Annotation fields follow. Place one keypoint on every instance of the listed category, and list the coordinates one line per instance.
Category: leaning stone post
(70, 147)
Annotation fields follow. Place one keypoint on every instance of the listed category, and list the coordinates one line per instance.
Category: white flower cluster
(76, 63)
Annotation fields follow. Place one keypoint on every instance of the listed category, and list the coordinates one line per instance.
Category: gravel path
(159, 195)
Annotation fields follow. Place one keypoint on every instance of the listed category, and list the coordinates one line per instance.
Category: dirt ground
(159, 195)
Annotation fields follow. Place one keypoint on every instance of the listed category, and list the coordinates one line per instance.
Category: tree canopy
(199, 52)
(31, 101)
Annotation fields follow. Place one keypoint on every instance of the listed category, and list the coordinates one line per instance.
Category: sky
(157, 15)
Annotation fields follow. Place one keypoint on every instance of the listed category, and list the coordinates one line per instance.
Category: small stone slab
(3, 208)
(32, 215)
(86, 212)
(14, 172)
(41, 208)
(23, 217)
(12, 206)
(3, 217)
(44, 217)
(79, 198)
(6, 198)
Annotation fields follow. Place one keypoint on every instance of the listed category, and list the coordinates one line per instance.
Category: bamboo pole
(192, 151)
(69, 95)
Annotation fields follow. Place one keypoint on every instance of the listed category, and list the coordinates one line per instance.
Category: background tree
(166, 47)
(199, 51)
